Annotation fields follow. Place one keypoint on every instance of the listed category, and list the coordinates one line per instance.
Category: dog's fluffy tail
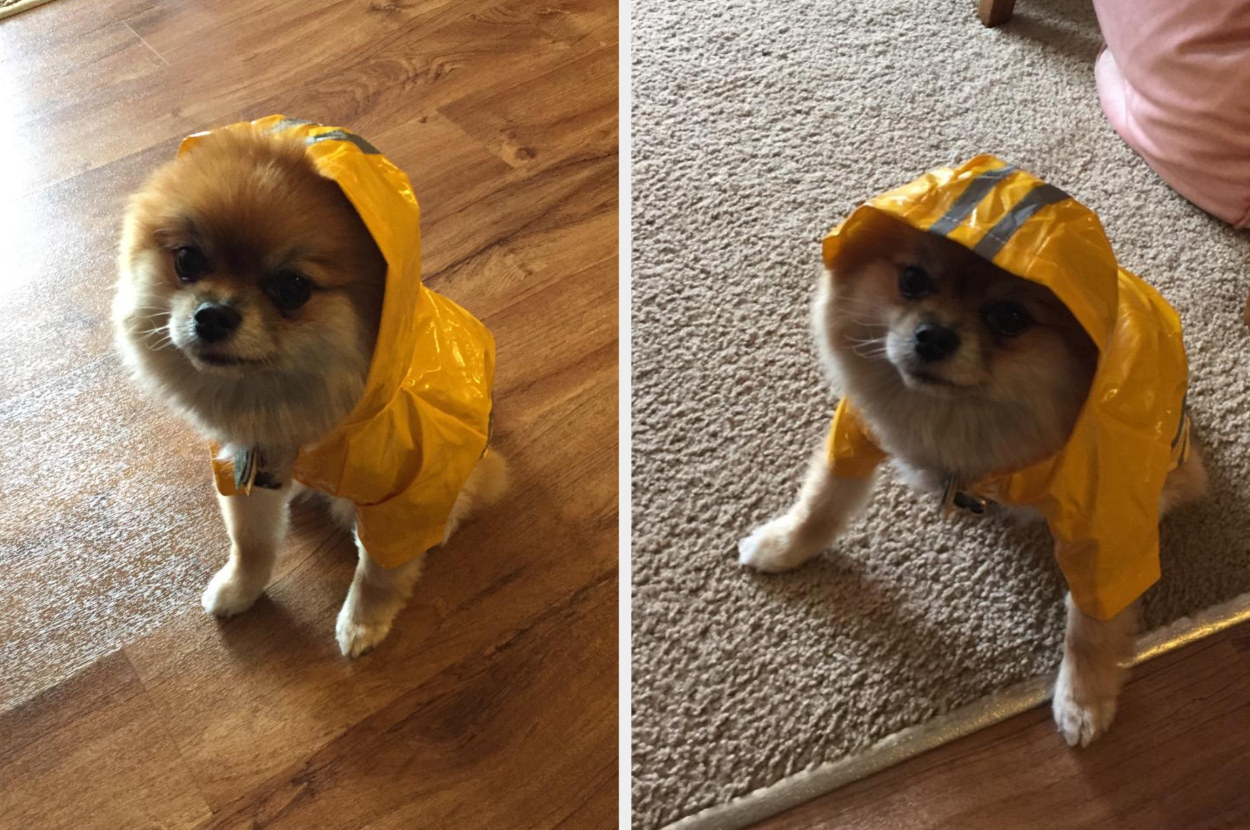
(1187, 482)
(485, 488)
(489, 480)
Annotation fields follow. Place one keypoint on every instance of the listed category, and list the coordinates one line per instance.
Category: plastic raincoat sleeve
(1109, 553)
(850, 449)
(1102, 493)
(1106, 534)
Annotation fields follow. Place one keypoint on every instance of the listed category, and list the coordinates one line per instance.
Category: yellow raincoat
(406, 450)
(1100, 493)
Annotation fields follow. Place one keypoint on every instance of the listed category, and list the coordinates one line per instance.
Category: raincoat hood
(405, 451)
(1100, 493)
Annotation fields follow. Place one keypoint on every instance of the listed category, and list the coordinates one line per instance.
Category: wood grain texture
(494, 701)
(66, 759)
(1177, 758)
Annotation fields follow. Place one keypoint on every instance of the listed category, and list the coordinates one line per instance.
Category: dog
(959, 370)
(251, 298)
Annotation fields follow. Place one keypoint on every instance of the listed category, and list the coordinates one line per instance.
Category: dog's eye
(914, 282)
(288, 290)
(190, 263)
(1007, 319)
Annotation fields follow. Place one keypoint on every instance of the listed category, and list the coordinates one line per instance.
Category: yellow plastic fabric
(1100, 493)
(405, 451)
(850, 449)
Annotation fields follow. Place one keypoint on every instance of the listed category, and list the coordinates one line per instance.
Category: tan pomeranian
(961, 369)
(250, 299)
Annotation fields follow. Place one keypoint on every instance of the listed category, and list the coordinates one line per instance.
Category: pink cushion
(1175, 82)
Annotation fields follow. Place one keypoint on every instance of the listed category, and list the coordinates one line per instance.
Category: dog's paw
(230, 592)
(1081, 714)
(773, 547)
(357, 636)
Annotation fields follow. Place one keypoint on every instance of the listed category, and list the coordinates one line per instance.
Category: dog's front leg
(376, 596)
(1092, 672)
(824, 506)
(257, 524)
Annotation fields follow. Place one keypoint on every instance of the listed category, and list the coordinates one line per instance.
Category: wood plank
(578, 391)
(208, 73)
(479, 722)
(1178, 756)
(438, 58)
(93, 754)
(57, 287)
(568, 112)
(538, 209)
(125, 518)
(84, 43)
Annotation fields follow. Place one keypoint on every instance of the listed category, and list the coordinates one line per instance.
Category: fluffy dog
(961, 370)
(249, 301)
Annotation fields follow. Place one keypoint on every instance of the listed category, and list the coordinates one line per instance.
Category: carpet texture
(756, 127)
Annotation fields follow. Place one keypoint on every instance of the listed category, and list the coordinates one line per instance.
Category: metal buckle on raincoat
(249, 472)
(954, 496)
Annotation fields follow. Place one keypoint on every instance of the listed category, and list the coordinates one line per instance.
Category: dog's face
(246, 277)
(947, 324)
(249, 260)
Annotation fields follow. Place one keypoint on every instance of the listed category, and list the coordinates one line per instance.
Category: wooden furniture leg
(995, 12)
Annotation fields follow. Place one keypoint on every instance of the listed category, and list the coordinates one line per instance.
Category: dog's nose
(215, 321)
(935, 342)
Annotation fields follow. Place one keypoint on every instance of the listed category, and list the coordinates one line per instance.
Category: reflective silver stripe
(1034, 200)
(333, 135)
(288, 123)
(344, 135)
(969, 199)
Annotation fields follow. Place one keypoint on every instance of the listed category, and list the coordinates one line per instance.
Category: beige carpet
(757, 125)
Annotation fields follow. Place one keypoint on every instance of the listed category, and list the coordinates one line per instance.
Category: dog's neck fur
(967, 438)
(276, 412)
(933, 436)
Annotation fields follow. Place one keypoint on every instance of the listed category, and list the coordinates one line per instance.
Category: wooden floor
(494, 702)
(1177, 758)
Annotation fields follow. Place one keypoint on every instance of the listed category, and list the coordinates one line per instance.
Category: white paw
(230, 592)
(773, 547)
(357, 636)
(1081, 715)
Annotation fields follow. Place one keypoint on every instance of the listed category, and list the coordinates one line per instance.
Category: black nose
(215, 321)
(934, 342)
